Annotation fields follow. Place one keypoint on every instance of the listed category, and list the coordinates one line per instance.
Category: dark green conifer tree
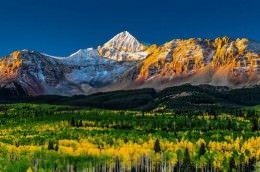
(157, 147)
(50, 145)
(202, 150)
(186, 161)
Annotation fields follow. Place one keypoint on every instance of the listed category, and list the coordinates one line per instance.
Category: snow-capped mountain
(123, 47)
(124, 63)
(79, 73)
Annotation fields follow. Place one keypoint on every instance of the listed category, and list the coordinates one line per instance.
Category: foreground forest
(69, 138)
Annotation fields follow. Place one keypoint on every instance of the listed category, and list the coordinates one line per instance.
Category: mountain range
(124, 63)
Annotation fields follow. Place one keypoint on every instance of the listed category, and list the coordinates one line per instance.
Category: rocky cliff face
(125, 63)
(36, 73)
(222, 61)
(80, 73)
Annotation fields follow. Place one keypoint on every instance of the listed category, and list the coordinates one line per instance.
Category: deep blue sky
(60, 27)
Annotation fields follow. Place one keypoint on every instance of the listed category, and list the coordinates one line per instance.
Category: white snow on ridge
(87, 67)
(125, 41)
(54, 57)
(82, 57)
(123, 47)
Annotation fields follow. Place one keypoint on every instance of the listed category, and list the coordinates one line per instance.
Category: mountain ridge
(125, 63)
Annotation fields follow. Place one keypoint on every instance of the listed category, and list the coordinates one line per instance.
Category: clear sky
(61, 27)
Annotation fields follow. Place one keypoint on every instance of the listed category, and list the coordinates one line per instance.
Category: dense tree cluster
(64, 138)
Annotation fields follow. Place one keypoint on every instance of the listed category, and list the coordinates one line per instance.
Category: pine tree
(230, 127)
(252, 163)
(73, 123)
(202, 150)
(186, 161)
(80, 123)
(56, 147)
(51, 145)
(255, 125)
(157, 147)
(231, 164)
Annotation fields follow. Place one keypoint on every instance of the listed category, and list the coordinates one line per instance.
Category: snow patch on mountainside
(86, 67)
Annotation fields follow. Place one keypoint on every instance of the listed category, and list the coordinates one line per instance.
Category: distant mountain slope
(40, 74)
(125, 63)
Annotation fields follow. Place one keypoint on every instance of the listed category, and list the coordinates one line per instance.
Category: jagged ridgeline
(125, 63)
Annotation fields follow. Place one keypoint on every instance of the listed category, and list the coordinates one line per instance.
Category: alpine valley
(124, 63)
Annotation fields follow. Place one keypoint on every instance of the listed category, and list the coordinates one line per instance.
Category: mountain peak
(125, 33)
(125, 41)
(123, 47)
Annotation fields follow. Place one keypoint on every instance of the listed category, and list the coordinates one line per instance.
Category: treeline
(181, 98)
